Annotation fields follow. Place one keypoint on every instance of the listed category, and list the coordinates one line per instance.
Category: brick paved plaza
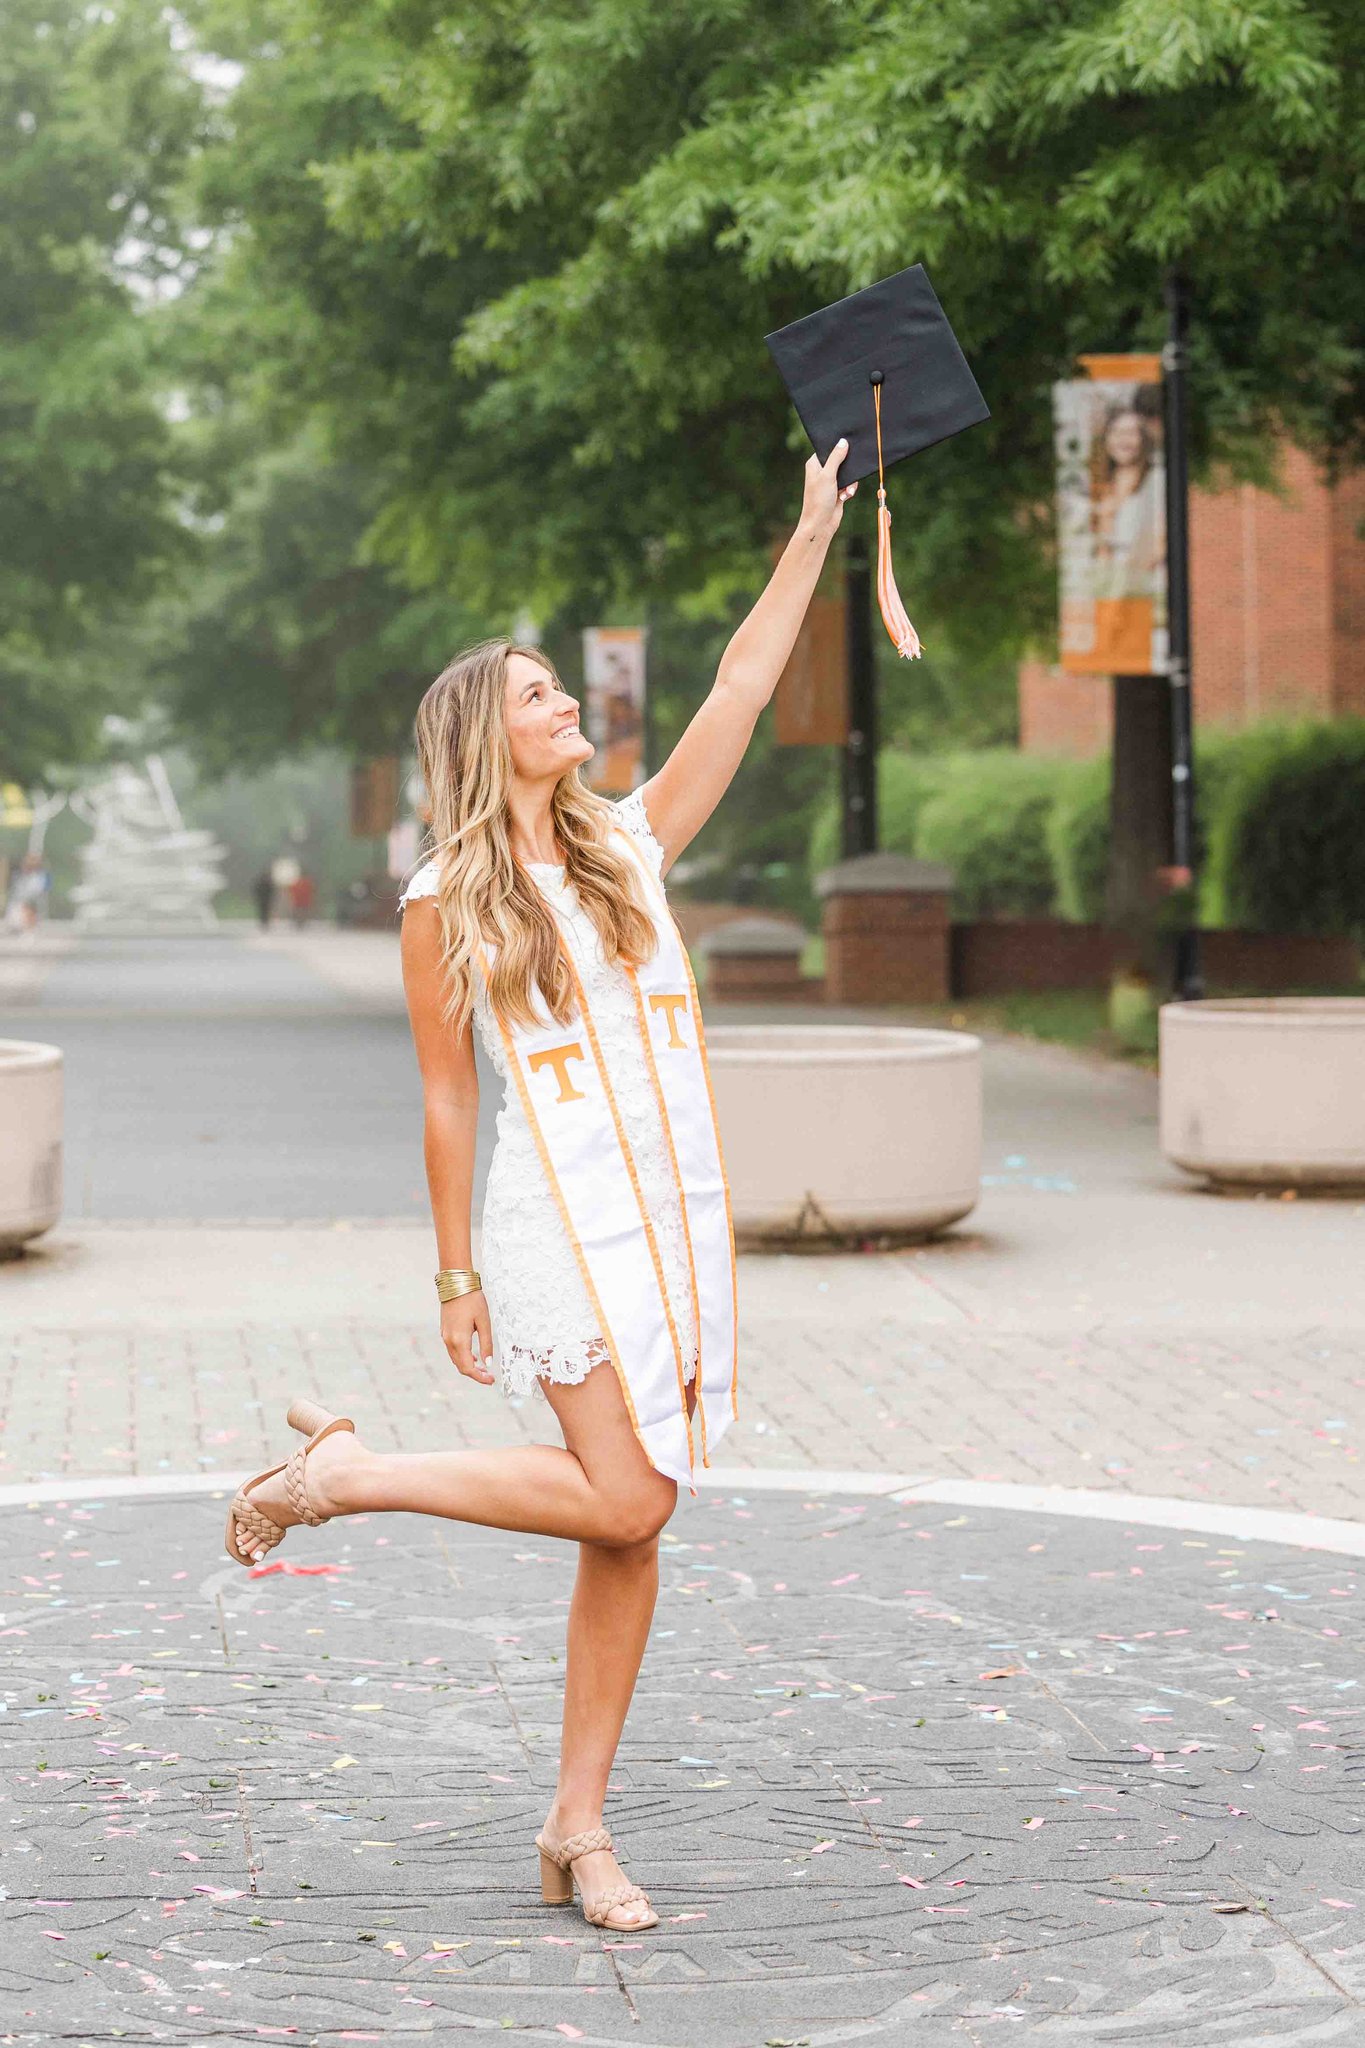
(1091, 1779)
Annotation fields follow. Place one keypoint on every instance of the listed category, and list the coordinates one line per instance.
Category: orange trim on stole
(724, 1177)
(720, 1160)
(553, 1178)
(629, 1157)
(653, 1066)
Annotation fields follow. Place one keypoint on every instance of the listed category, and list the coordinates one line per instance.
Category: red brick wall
(886, 948)
(1348, 595)
(995, 957)
(1277, 615)
(1261, 598)
(1063, 714)
(991, 958)
(757, 974)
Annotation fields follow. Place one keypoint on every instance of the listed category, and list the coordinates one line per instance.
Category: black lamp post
(1189, 981)
(859, 820)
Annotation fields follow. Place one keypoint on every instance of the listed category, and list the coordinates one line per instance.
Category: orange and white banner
(1111, 516)
(564, 1082)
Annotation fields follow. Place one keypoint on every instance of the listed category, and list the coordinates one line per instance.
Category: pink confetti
(53, 1935)
(847, 1579)
(1034, 1823)
(916, 1884)
(1342, 1905)
(305, 1571)
(573, 2033)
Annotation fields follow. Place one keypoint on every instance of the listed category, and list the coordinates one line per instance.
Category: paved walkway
(249, 1215)
(892, 1773)
(899, 1759)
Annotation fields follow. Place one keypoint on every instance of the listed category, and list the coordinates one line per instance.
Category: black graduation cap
(883, 370)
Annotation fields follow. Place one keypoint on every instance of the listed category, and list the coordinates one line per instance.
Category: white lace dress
(543, 1323)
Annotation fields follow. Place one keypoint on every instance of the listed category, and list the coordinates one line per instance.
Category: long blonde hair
(483, 893)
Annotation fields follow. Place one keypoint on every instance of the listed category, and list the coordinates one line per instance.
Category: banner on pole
(1111, 516)
(810, 703)
(614, 689)
(374, 796)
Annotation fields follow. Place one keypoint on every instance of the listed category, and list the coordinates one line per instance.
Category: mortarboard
(883, 370)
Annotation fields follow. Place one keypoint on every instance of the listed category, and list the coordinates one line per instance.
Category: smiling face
(1123, 440)
(542, 722)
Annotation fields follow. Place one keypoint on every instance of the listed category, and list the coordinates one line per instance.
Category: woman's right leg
(537, 1489)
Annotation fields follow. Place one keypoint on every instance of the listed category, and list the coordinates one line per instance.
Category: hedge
(1287, 841)
(1280, 827)
(987, 821)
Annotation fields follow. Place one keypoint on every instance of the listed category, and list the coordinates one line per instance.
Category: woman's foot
(598, 1871)
(330, 1470)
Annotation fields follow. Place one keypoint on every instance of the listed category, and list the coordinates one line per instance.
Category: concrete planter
(859, 1128)
(30, 1141)
(1265, 1091)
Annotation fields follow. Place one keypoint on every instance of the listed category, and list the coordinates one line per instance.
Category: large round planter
(833, 1128)
(1265, 1091)
(30, 1141)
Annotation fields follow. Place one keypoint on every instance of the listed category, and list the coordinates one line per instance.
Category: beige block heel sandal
(557, 1882)
(315, 1423)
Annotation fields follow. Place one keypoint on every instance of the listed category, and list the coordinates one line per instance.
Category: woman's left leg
(609, 1620)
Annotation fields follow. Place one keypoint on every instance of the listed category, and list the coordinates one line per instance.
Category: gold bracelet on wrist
(454, 1281)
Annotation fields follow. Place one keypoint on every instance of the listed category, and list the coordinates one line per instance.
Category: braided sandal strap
(597, 1908)
(296, 1486)
(581, 1844)
(264, 1534)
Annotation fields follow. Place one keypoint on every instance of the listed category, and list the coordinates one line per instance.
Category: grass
(1076, 1017)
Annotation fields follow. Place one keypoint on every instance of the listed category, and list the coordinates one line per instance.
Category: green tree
(99, 114)
(696, 173)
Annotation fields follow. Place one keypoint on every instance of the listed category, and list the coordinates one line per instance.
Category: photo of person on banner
(1127, 508)
(1111, 504)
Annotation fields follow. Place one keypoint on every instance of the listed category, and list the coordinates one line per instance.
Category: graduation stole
(563, 1079)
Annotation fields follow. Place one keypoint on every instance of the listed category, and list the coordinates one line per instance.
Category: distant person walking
(303, 895)
(28, 892)
(263, 889)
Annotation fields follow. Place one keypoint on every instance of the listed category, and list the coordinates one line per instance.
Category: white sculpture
(142, 865)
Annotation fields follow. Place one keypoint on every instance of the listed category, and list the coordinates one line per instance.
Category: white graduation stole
(562, 1077)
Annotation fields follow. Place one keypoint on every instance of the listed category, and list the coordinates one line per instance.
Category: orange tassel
(903, 635)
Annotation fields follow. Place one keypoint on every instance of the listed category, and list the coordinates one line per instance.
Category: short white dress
(543, 1322)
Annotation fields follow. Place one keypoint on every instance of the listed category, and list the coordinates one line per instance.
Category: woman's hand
(460, 1319)
(824, 503)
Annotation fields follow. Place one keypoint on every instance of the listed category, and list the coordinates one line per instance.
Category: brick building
(1277, 615)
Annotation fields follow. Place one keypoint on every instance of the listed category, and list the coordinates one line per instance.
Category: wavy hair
(483, 893)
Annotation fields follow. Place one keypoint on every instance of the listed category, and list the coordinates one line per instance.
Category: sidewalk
(892, 1774)
(1012, 1631)
(1097, 1322)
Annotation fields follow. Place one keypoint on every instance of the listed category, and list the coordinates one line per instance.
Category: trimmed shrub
(988, 822)
(905, 782)
(1287, 841)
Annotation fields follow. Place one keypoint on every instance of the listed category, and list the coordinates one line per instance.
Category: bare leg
(609, 1620)
(537, 1489)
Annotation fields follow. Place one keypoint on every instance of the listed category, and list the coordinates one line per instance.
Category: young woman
(541, 922)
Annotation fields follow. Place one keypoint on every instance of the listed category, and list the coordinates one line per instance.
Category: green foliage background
(344, 332)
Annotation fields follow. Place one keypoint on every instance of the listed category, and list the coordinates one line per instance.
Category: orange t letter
(558, 1057)
(671, 1005)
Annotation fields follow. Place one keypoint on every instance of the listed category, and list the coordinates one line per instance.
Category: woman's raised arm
(682, 795)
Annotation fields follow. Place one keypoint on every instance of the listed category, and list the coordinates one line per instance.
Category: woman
(541, 922)
(1128, 515)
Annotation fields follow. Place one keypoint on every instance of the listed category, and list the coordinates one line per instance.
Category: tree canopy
(100, 118)
(478, 324)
